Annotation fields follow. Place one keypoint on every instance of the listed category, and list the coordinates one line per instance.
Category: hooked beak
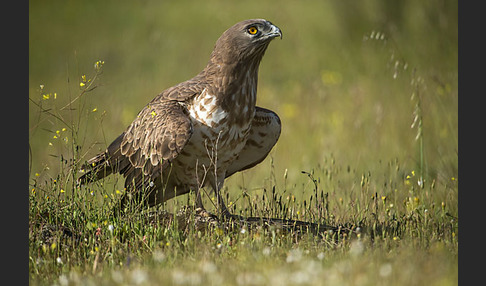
(274, 32)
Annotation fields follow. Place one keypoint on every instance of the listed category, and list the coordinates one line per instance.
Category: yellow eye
(252, 30)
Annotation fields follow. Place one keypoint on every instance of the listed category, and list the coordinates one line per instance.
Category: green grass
(369, 140)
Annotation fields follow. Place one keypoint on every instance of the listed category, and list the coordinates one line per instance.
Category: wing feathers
(157, 136)
(264, 133)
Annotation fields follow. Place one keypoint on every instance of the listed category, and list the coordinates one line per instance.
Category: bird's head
(246, 40)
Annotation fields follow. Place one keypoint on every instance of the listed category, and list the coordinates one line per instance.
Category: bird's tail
(95, 168)
(102, 164)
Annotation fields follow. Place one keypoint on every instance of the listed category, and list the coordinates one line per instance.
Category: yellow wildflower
(99, 64)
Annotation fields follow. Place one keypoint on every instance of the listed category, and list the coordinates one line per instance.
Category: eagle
(200, 131)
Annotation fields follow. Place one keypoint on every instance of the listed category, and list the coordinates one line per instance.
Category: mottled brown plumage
(200, 131)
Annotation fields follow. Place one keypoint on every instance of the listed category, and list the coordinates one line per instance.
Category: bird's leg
(222, 206)
(198, 188)
(218, 180)
(223, 210)
(217, 190)
(199, 203)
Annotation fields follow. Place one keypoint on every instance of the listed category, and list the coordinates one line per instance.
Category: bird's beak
(274, 32)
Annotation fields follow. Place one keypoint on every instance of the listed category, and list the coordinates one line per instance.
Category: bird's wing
(264, 133)
(184, 90)
(155, 137)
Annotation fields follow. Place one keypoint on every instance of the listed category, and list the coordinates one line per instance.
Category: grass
(367, 94)
(404, 238)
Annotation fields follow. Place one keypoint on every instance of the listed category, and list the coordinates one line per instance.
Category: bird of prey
(200, 131)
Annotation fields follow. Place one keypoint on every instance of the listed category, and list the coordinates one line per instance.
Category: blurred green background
(341, 79)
